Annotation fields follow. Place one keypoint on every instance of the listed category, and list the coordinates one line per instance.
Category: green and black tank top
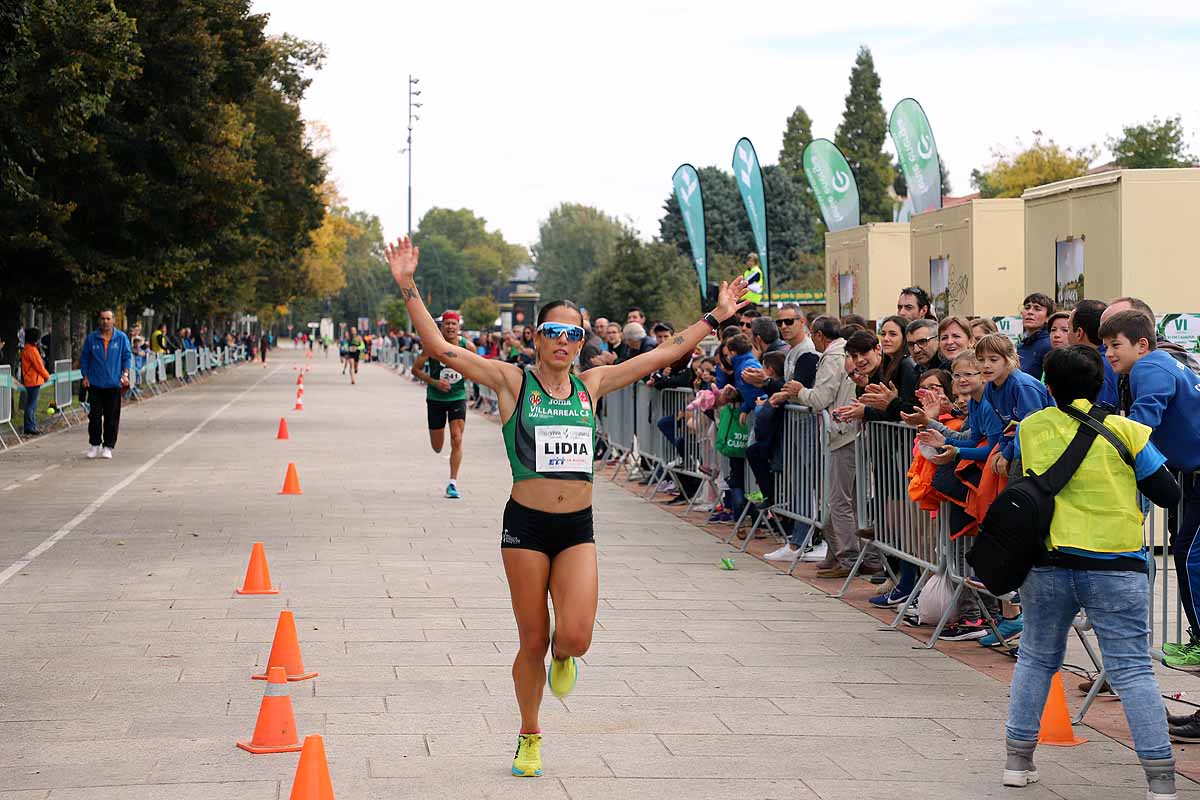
(551, 438)
(437, 370)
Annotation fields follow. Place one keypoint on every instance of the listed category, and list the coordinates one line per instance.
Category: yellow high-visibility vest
(1098, 509)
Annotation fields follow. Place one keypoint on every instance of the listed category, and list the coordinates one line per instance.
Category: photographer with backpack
(1087, 467)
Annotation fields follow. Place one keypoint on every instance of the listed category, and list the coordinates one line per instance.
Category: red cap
(454, 315)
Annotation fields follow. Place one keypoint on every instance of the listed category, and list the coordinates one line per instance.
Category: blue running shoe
(1010, 631)
(452, 492)
(895, 597)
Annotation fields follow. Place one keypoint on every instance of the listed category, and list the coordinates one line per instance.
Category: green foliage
(1010, 175)
(487, 260)
(1154, 144)
(793, 227)
(797, 136)
(572, 242)
(153, 154)
(479, 313)
(369, 284)
(653, 277)
(444, 278)
(861, 136)
(395, 312)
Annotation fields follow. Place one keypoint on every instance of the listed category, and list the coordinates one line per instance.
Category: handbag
(732, 435)
(1013, 533)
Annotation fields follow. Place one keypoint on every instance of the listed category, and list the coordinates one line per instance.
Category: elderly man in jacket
(832, 389)
(105, 362)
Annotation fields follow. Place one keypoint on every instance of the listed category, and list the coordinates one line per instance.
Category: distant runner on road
(446, 399)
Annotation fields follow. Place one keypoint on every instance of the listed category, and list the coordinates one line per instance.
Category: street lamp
(412, 117)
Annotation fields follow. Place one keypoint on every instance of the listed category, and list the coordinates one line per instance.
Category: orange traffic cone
(299, 402)
(285, 651)
(283, 429)
(258, 575)
(291, 481)
(300, 390)
(299, 380)
(312, 773)
(275, 730)
(1056, 719)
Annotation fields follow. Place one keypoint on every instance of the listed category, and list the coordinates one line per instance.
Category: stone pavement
(125, 656)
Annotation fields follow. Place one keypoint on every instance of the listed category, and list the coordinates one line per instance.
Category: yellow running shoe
(527, 763)
(562, 675)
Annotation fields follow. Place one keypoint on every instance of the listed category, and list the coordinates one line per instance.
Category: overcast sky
(527, 105)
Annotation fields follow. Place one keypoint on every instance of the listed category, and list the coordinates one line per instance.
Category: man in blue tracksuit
(1166, 397)
(105, 363)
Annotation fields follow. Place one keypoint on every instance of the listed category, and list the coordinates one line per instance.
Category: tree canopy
(1150, 145)
(152, 153)
(861, 136)
(573, 241)
(1010, 175)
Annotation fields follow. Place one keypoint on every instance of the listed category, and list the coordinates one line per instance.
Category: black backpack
(1013, 533)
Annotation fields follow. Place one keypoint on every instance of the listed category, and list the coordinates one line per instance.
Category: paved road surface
(125, 656)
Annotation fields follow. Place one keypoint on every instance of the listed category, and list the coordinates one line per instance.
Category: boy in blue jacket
(1035, 342)
(1166, 397)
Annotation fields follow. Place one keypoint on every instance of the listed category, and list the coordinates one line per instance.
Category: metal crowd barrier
(803, 482)
(64, 398)
(619, 418)
(883, 453)
(6, 403)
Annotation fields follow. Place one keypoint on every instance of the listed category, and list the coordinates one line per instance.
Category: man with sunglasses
(922, 336)
(445, 399)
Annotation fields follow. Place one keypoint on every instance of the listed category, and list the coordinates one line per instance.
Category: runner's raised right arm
(504, 378)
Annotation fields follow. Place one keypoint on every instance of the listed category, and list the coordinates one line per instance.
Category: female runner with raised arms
(549, 428)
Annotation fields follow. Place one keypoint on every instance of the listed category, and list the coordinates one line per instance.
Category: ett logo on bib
(563, 448)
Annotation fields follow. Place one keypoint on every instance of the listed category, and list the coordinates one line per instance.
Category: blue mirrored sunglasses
(553, 330)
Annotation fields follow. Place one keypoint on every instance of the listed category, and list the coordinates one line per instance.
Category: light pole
(412, 117)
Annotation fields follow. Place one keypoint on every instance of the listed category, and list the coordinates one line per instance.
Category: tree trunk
(79, 332)
(60, 336)
(10, 322)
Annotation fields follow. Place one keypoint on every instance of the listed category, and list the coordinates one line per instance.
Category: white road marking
(10, 488)
(33, 477)
(96, 504)
(53, 466)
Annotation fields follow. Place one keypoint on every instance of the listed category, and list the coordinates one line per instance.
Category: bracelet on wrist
(712, 322)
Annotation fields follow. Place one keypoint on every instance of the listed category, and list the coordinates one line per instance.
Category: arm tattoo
(677, 340)
(450, 354)
(409, 294)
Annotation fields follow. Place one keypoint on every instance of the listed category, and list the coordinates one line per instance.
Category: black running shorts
(528, 529)
(440, 410)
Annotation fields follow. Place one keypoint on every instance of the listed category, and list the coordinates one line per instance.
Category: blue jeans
(31, 401)
(1118, 605)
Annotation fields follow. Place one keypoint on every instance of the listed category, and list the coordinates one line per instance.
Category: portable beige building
(1121, 233)
(971, 257)
(865, 269)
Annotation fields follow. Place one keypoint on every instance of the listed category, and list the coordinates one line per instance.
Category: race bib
(450, 376)
(563, 448)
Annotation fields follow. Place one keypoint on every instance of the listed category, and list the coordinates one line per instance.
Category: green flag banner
(750, 182)
(918, 155)
(691, 208)
(833, 183)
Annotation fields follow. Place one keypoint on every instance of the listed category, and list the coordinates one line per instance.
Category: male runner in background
(446, 399)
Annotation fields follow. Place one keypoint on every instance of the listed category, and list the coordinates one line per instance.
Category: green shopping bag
(732, 435)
